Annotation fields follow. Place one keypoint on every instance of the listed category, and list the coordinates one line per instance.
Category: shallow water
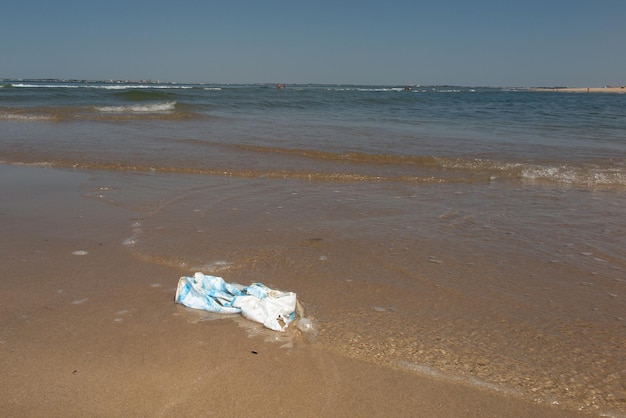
(462, 280)
(472, 234)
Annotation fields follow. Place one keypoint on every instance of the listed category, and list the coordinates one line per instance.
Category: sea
(473, 234)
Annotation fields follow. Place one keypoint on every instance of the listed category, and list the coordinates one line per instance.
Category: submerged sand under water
(425, 299)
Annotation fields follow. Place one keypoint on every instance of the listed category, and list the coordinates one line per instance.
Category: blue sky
(461, 42)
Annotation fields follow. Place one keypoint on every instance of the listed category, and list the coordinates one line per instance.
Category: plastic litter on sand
(272, 308)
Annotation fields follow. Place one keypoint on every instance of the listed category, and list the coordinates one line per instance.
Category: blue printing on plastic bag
(212, 293)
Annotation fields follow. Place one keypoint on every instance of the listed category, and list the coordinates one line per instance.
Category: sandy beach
(620, 89)
(87, 329)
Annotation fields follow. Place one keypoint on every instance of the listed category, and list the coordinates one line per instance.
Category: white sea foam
(575, 175)
(136, 86)
(130, 241)
(32, 86)
(23, 117)
(102, 86)
(79, 301)
(441, 375)
(139, 108)
(381, 89)
(368, 89)
(216, 266)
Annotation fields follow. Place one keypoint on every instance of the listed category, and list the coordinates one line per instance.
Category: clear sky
(463, 42)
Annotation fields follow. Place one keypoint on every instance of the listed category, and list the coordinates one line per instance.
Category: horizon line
(150, 81)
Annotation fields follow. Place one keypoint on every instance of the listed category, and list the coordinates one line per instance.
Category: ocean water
(474, 234)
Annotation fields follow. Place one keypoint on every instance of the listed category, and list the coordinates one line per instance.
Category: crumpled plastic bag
(257, 302)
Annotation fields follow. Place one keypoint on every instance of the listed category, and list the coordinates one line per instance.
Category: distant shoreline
(8, 82)
(621, 89)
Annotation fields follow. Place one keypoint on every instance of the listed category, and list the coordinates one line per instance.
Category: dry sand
(88, 330)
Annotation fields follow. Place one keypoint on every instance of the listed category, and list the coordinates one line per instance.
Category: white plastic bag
(257, 302)
(272, 308)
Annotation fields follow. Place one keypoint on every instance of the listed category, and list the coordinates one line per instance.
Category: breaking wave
(582, 176)
(103, 86)
(140, 108)
(25, 117)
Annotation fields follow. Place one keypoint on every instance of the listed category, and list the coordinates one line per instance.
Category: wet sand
(87, 329)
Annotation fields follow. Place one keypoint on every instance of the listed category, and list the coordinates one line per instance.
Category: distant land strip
(608, 89)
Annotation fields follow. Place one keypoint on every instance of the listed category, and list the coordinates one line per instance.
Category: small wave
(453, 169)
(33, 86)
(24, 117)
(404, 89)
(136, 86)
(584, 175)
(156, 110)
(355, 157)
(143, 108)
(367, 89)
(381, 89)
(465, 172)
(103, 86)
(575, 176)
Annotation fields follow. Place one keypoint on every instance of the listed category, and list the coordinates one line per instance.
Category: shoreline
(621, 89)
(89, 329)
